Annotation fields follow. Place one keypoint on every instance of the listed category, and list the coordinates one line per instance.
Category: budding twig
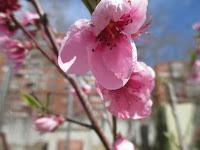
(79, 123)
(45, 23)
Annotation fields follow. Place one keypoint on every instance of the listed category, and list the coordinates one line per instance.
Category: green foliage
(31, 101)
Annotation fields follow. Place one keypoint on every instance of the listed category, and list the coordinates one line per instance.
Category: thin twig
(78, 91)
(45, 22)
(114, 120)
(173, 101)
(79, 123)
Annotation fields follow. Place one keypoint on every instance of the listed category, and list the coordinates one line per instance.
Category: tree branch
(114, 120)
(45, 23)
(83, 101)
(79, 123)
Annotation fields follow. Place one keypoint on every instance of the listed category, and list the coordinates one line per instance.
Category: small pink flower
(7, 6)
(132, 100)
(86, 88)
(14, 50)
(48, 124)
(103, 45)
(30, 18)
(123, 144)
(196, 26)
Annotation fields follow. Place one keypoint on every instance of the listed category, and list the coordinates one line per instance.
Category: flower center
(113, 30)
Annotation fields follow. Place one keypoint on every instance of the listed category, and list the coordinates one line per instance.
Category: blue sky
(171, 34)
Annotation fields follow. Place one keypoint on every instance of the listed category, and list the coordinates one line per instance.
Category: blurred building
(187, 98)
(40, 78)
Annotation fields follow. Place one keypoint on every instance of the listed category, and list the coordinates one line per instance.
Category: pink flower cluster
(48, 123)
(6, 27)
(104, 46)
(14, 50)
(8, 6)
(29, 18)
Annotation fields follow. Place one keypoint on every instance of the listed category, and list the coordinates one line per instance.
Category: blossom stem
(114, 120)
(79, 123)
(44, 21)
(83, 101)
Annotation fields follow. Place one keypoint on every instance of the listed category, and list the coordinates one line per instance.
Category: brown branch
(83, 101)
(79, 123)
(114, 120)
(45, 23)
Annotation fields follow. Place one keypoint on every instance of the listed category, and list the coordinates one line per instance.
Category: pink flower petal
(143, 72)
(73, 54)
(120, 59)
(4, 26)
(133, 99)
(137, 15)
(131, 14)
(8, 6)
(14, 51)
(112, 67)
(48, 123)
(4, 31)
(108, 10)
(29, 18)
(103, 75)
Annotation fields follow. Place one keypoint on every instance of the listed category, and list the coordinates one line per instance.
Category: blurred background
(168, 47)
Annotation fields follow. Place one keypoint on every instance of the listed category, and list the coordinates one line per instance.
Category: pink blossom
(103, 45)
(133, 100)
(49, 123)
(7, 6)
(30, 18)
(196, 26)
(6, 28)
(123, 144)
(14, 50)
(87, 89)
(194, 77)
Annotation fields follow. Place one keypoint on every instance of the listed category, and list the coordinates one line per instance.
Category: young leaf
(31, 101)
(88, 5)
